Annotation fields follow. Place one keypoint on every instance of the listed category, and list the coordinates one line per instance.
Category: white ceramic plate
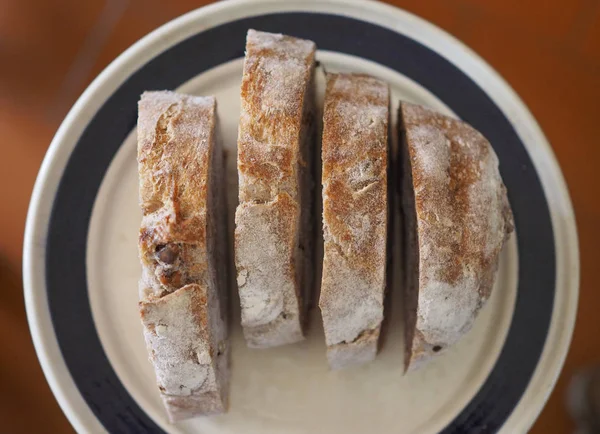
(81, 267)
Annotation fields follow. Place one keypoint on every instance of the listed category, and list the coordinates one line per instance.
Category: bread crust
(273, 239)
(458, 218)
(355, 153)
(182, 248)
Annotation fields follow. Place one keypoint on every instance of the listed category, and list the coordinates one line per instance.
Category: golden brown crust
(355, 164)
(174, 133)
(271, 219)
(462, 218)
(355, 214)
(277, 69)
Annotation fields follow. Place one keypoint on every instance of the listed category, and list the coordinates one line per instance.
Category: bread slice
(183, 251)
(355, 216)
(456, 218)
(274, 235)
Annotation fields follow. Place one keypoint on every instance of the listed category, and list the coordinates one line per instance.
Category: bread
(355, 216)
(273, 235)
(456, 219)
(182, 248)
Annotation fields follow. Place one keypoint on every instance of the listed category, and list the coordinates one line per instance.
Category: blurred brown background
(549, 51)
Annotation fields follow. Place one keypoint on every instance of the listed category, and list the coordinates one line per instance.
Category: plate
(81, 267)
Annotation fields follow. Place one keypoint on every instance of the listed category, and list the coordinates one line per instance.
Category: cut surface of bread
(456, 220)
(183, 251)
(355, 153)
(274, 234)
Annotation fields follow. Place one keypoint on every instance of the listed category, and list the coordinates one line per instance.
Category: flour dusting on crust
(462, 221)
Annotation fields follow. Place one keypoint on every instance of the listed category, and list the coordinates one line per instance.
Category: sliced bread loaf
(183, 251)
(274, 234)
(456, 220)
(355, 216)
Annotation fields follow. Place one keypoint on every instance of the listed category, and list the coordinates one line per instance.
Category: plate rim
(165, 36)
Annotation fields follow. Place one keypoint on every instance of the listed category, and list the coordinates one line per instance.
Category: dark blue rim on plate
(69, 222)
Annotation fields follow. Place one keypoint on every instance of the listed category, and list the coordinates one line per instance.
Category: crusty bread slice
(456, 219)
(274, 235)
(183, 251)
(355, 216)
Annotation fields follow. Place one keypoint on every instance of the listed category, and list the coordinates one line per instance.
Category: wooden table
(549, 51)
